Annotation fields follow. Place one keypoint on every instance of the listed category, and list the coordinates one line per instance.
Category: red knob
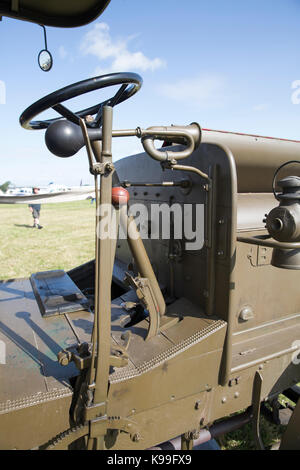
(119, 196)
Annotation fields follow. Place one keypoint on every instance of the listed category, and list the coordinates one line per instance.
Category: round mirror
(45, 60)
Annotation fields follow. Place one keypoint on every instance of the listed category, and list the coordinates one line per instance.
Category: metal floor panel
(145, 355)
(31, 344)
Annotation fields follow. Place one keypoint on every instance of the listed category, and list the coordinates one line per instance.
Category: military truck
(162, 341)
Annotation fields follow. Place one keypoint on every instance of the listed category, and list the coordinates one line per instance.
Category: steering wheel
(130, 84)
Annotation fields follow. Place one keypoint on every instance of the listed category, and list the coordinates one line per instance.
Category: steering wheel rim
(130, 84)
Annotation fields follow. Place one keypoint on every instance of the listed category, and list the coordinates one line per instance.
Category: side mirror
(45, 60)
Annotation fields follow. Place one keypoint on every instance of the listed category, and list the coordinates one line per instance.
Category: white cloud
(62, 52)
(115, 52)
(199, 91)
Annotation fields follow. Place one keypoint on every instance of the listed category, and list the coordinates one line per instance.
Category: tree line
(4, 186)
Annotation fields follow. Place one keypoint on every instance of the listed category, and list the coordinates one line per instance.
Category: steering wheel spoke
(66, 113)
(115, 99)
(111, 102)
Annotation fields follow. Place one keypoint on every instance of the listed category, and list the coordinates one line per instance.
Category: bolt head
(194, 435)
(136, 437)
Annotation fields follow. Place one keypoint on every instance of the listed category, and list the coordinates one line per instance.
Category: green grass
(271, 434)
(66, 240)
(242, 439)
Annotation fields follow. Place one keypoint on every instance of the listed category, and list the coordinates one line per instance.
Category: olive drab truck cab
(190, 311)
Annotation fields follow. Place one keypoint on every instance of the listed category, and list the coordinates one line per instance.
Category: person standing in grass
(35, 210)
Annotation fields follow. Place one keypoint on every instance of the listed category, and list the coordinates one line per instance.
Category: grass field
(242, 439)
(66, 240)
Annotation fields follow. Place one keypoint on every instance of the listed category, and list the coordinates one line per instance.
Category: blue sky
(226, 64)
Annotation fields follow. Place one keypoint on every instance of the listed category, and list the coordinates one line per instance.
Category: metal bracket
(96, 168)
(146, 296)
(102, 168)
(187, 441)
(119, 355)
(79, 354)
(92, 412)
(82, 357)
(259, 256)
(99, 426)
(256, 401)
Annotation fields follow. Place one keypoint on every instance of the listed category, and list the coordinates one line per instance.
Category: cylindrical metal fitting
(283, 222)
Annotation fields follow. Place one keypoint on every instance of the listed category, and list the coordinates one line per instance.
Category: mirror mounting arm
(45, 36)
